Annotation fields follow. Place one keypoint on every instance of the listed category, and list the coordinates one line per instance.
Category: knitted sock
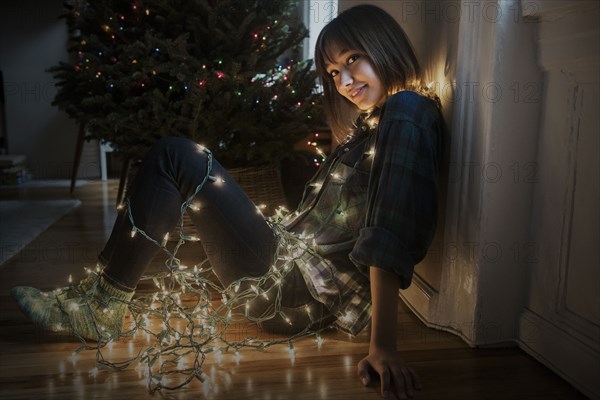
(72, 291)
(96, 313)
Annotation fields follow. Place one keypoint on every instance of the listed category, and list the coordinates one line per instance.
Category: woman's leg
(236, 238)
(238, 241)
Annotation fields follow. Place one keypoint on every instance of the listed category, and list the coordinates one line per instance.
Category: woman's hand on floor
(398, 381)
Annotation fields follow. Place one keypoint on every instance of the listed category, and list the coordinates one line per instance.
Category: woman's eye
(352, 58)
(333, 73)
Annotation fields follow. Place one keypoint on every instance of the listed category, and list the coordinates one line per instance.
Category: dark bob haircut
(374, 33)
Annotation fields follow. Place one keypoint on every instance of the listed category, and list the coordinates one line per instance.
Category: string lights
(114, 25)
(172, 331)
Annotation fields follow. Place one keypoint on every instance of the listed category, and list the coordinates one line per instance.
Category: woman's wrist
(383, 339)
(384, 295)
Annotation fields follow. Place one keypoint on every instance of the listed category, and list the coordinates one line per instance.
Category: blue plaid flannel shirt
(373, 202)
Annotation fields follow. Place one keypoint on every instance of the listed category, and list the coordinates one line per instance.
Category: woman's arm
(397, 380)
(400, 223)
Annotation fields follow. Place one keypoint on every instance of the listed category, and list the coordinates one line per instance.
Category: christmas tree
(224, 73)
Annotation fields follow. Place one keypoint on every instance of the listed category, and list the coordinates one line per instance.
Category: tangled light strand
(191, 326)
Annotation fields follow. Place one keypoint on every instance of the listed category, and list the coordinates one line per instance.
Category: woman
(368, 215)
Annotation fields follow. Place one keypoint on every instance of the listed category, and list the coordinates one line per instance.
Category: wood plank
(38, 365)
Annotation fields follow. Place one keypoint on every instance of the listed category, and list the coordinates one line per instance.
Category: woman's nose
(345, 78)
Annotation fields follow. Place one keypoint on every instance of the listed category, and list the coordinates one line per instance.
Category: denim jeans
(236, 238)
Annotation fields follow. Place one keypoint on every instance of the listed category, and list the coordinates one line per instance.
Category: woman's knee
(178, 150)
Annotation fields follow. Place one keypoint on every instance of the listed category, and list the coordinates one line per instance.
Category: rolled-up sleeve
(402, 206)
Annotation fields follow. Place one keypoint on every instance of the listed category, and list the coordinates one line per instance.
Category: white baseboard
(550, 345)
(418, 298)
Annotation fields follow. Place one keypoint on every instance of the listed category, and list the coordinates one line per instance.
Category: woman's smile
(356, 79)
(356, 93)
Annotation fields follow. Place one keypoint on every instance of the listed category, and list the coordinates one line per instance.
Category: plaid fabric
(373, 202)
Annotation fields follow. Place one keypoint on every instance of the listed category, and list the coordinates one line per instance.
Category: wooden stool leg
(78, 151)
(123, 180)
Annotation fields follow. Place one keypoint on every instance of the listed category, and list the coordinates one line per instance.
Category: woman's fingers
(363, 371)
(385, 382)
(401, 383)
(397, 380)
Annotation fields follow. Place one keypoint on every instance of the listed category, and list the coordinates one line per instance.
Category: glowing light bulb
(165, 239)
(348, 317)
(319, 341)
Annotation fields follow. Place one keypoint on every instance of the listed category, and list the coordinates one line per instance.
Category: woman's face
(355, 78)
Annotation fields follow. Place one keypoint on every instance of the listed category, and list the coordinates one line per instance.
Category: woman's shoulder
(411, 106)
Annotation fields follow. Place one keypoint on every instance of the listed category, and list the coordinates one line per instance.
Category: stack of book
(13, 170)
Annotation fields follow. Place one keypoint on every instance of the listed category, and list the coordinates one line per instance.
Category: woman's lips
(357, 93)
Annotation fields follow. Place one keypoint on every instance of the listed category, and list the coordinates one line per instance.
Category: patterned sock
(93, 310)
(73, 291)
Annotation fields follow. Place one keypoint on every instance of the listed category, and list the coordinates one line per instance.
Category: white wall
(560, 323)
(317, 13)
(32, 39)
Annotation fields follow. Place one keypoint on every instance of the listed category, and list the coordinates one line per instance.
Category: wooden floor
(36, 365)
